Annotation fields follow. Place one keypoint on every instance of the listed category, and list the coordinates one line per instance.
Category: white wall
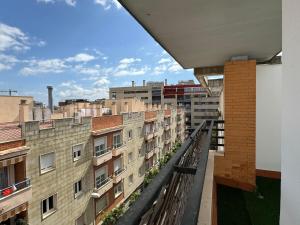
(268, 117)
(290, 163)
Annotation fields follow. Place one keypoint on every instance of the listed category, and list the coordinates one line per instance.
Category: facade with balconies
(15, 186)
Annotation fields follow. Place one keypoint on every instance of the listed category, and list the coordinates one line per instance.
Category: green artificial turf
(262, 207)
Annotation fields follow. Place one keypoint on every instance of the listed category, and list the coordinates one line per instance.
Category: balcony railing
(174, 196)
(119, 175)
(102, 186)
(99, 152)
(10, 190)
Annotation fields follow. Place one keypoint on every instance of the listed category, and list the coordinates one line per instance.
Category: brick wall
(167, 112)
(104, 122)
(150, 115)
(237, 167)
(11, 144)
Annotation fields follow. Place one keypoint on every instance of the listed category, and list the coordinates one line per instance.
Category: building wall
(237, 166)
(60, 181)
(10, 107)
(268, 117)
(290, 182)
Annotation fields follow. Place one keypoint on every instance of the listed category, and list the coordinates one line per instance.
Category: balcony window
(101, 204)
(47, 162)
(77, 152)
(101, 176)
(100, 146)
(118, 189)
(117, 142)
(49, 206)
(3, 177)
(78, 188)
(118, 168)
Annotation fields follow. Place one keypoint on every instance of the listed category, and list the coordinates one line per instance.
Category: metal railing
(100, 152)
(119, 171)
(11, 189)
(101, 183)
(117, 145)
(174, 196)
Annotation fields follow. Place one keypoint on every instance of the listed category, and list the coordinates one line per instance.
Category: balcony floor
(250, 208)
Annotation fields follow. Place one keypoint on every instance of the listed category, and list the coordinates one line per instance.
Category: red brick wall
(150, 115)
(104, 122)
(237, 167)
(11, 144)
(167, 112)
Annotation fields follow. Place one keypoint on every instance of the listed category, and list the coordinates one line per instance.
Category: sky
(80, 47)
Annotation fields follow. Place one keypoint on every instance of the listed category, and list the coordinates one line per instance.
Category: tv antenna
(9, 92)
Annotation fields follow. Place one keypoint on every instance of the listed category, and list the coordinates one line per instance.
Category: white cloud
(167, 65)
(129, 60)
(68, 2)
(12, 38)
(71, 89)
(7, 62)
(164, 60)
(81, 57)
(35, 67)
(107, 4)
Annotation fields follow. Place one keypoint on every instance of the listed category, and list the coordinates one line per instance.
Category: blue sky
(81, 47)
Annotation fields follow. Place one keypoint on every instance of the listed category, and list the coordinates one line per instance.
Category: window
(77, 152)
(47, 162)
(130, 136)
(117, 140)
(78, 188)
(130, 179)
(101, 204)
(100, 146)
(48, 206)
(118, 189)
(130, 157)
(113, 95)
(118, 168)
(101, 176)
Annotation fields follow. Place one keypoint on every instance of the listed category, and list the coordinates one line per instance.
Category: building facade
(70, 171)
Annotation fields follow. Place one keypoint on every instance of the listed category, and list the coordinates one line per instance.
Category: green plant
(112, 217)
(135, 195)
(150, 175)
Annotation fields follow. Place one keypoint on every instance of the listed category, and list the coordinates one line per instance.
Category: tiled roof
(10, 131)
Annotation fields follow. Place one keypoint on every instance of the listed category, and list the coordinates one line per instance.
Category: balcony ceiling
(199, 33)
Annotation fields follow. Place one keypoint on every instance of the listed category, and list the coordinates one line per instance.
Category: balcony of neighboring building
(150, 131)
(119, 172)
(103, 181)
(15, 187)
(106, 146)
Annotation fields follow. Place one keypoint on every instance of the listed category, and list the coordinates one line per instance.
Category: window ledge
(46, 215)
(46, 171)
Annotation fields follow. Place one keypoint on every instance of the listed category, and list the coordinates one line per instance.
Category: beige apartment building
(72, 171)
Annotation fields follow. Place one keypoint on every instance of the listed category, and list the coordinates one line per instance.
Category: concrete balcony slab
(98, 160)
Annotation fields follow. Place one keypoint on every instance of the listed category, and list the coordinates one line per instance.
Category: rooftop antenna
(9, 92)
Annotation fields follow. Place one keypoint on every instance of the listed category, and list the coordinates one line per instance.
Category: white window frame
(48, 169)
(77, 186)
(101, 149)
(102, 180)
(116, 145)
(75, 155)
(49, 211)
(118, 189)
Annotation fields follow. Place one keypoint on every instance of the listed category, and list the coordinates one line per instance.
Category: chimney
(23, 111)
(144, 83)
(50, 98)
(114, 108)
(132, 83)
(166, 82)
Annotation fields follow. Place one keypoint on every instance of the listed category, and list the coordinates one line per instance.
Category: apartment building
(150, 92)
(73, 171)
